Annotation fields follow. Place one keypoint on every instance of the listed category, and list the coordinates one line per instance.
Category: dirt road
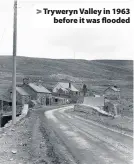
(49, 136)
(88, 142)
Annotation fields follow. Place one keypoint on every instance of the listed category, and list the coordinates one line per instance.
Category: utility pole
(14, 64)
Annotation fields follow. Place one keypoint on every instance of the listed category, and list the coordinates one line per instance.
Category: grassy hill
(97, 74)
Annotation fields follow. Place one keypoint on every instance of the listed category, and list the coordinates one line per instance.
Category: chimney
(69, 85)
(25, 80)
(39, 82)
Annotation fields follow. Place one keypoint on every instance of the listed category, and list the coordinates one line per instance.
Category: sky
(38, 38)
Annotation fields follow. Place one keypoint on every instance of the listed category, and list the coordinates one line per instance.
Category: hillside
(97, 74)
(81, 68)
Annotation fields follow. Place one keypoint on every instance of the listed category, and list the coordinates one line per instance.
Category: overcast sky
(83, 43)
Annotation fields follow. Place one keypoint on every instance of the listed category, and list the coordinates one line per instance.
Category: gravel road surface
(89, 142)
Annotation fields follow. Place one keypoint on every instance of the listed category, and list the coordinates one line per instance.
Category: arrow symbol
(38, 11)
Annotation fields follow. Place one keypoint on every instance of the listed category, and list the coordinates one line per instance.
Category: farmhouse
(112, 93)
(22, 97)
(64, 88)
(112, 100)
(5, 103)
(37, 91)
(27, 92)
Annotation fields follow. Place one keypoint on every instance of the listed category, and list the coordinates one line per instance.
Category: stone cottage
(27, 92)
(22, 96)
(37, 92)
(5, 102)
(112, 100)
(112, 93)
(65, 89)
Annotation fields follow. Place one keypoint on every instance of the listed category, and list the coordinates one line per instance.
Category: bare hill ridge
(95, 69)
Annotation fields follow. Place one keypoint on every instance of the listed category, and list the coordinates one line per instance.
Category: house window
(10, 103)
(56, 100)
(11, 95)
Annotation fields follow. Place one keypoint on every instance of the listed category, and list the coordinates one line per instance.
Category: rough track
(89, 143)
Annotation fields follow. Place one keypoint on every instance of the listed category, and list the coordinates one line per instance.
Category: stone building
(22, 96)
(112, 100)
(56, 100)
(37, 92)
(65, 89)
(112, 93)
(5, 102)
(27, 92)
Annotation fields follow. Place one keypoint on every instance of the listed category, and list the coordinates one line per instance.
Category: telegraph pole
(14, 64)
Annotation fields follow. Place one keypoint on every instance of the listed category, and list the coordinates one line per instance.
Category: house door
(47, 101)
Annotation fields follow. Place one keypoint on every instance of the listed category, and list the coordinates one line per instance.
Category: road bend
(89, 142)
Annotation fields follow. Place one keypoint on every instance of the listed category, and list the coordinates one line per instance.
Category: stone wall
(59, 101)
(31, 92)
(85, 109)
(44, 99)
(41, 97)
(110, 94)
(22, 99)
(90, 110)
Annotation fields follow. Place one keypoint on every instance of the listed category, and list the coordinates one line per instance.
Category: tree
(84, 89)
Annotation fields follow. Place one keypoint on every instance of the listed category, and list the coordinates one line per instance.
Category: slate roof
(38, 88)
(66, 86)
(115, 89)
(5, 97)
(21, 91)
